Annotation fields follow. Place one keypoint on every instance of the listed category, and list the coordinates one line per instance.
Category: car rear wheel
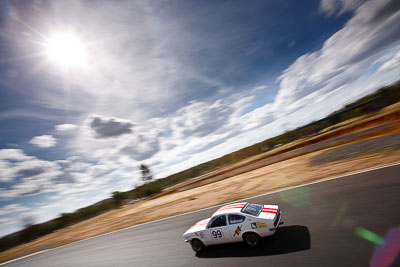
(197, 245)
(251, 239)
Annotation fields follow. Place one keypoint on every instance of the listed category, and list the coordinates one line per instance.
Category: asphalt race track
(332, 223)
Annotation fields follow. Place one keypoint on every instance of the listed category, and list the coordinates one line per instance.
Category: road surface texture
(358, 149)
(333, 223)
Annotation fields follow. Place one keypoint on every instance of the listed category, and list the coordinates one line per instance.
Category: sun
(66, 50)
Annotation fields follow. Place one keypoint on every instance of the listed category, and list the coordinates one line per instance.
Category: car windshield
(252, 209)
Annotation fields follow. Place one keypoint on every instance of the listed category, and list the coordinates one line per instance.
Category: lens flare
(339, 216)
(387, 254)
(368, 235)
(296, 197)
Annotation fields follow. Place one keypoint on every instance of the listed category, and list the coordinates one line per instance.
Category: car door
(218, 232)
(236, 226)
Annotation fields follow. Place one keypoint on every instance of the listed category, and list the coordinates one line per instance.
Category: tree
(117, 198)
(30, 230)
(28, 221)
(146, 173)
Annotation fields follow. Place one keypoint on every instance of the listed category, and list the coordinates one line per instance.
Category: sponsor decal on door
(256, 225)
(238, 230)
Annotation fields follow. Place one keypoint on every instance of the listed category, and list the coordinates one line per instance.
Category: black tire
(251, 239)
(197, 245)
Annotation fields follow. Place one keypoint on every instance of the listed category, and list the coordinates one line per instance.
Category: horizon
(90, 92)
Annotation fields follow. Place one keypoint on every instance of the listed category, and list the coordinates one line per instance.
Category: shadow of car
(287, 239)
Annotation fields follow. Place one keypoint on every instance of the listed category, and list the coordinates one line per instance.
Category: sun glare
(66, 50)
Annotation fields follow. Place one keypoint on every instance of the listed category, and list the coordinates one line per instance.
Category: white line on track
(166, 218)
(23, 257)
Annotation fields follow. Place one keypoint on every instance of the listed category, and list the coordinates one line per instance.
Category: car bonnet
(199, 226)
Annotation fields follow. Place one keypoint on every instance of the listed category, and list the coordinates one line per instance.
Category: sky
(89, 90)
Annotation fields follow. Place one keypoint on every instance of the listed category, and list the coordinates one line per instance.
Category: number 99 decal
(217, 233)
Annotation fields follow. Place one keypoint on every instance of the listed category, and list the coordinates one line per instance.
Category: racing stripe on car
(270, 210)
(238, 207)
(231, 207)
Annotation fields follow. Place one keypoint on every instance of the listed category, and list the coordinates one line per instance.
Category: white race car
(234, 223)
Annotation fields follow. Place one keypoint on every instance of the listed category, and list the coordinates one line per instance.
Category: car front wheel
(197, 245)
(251, 239)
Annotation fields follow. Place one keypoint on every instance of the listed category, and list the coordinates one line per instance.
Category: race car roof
(262, 211)
(231, 208)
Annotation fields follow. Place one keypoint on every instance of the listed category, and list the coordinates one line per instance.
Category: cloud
(14, 162)
(31, 176)
(27, 114)
(65, 127)
(112, 139)
(200, 118)
(30, 172)
(105, 127)
(183, 128)
(6, 172)
(391, 64)
(197, 127)
(141, 148)
(345, 56)
(73, 163)
(34, 167)
(330, 7)
(43, 141)
(257, 117)
(11, 208)
(259, 88)
(98, 170)
(13, 154)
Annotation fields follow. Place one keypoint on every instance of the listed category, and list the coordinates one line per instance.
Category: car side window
(234, 218)
(218, 221)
